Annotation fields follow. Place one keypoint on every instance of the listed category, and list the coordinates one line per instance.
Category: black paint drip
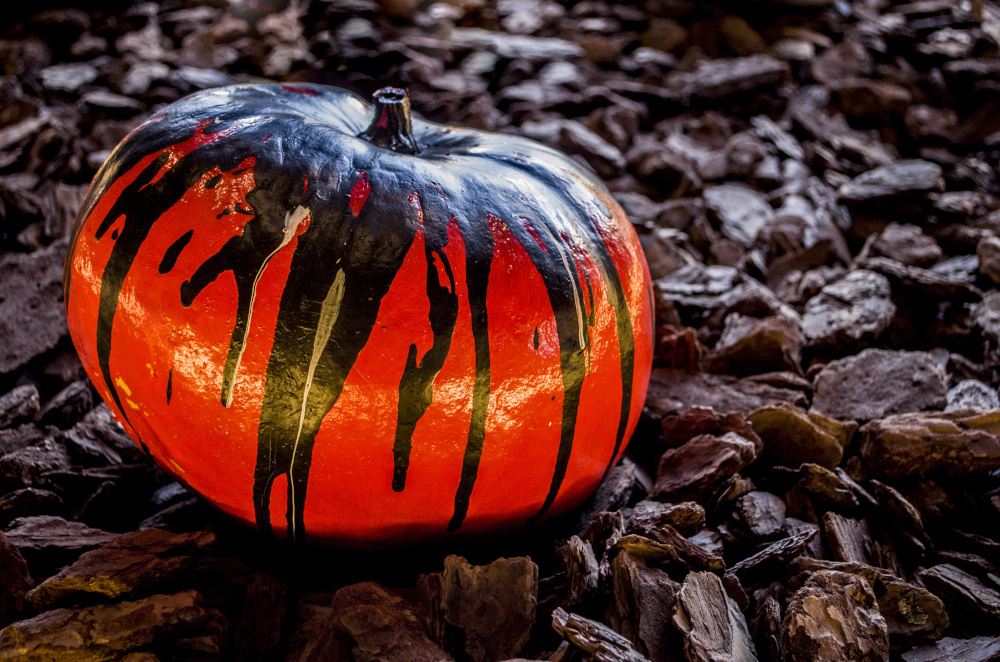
(416, 385)
(174, 252)
(479, 260)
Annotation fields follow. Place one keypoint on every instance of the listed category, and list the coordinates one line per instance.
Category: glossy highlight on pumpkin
(450, 333)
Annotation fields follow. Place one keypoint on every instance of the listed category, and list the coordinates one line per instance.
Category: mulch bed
(815, 474)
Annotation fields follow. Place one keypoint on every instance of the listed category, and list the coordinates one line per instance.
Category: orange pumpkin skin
(344, 343)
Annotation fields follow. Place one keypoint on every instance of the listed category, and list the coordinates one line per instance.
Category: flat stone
(676, 391)
(719, 79)
(595, 640)
(986, 318)
(699, 420)
(645, 600)
(128, 566)
(53, 539)
(740, 36)
(683, 550)
(694, 470)
(827, 488)
(988, 253)
(111, 101)
(891, 181)
(16, 134)
(760, 514)
(847, 143)
(615, 491)
(848, 539)
(912, 613)
(961, 268)
(751, 346)
(68, 77)
(954, 442)
(792, 437)
(921, 281)
(930, 122)
(99, 438)
(711, 623)
(383, 626)
(687, 516)
(903, 513)
(949, 649)
(664, 34)
(844, 61)
(907, 244)
(972, 393)
(834, 617)
(864, 97)
(777, 135)
(974, 606)
(582, 571)
(515, 46)
(793, 50)
(28, 502)
(606, 159)
(773, 559)
(849, 313)
(68, 406)
(18, 405)
(877, 383)
(316, 636)
(742, 212)
(14, 439)
(458, 598)
(32, 318)
(103, 632)
(140, 77)
(15, 582)
(258, 633)
(24, 467)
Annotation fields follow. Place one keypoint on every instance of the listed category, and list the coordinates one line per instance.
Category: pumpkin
(337, 323)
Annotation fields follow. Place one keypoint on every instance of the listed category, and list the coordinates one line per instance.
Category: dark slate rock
(877, 383)
(834, 617)
(32, 318)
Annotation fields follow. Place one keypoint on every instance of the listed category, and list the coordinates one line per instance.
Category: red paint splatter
(305, 187)
(197, 140)
(533, 232)
(414, 199)
(267, 137)
(300, 90)
(383, 121)
(359, 194)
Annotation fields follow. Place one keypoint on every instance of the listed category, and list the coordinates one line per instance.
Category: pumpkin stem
(390, 127)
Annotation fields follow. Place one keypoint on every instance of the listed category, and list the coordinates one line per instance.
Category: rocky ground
(815, 476)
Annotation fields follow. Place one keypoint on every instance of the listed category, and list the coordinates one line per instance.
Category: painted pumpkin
(320, 317)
